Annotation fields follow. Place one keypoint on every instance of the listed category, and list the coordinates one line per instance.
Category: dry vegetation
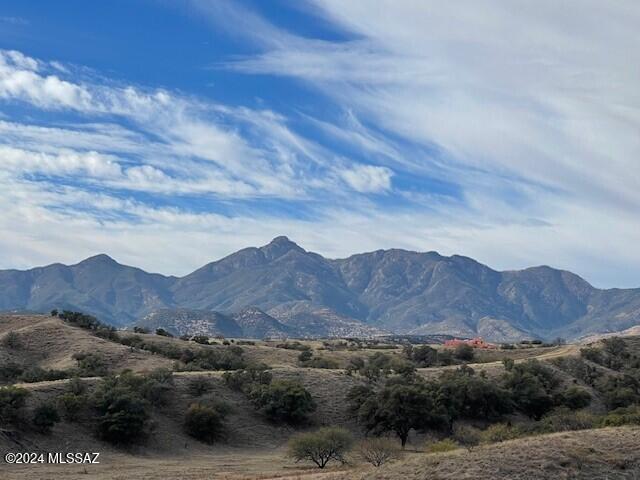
(254, 447)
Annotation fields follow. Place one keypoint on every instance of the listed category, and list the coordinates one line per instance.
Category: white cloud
(368, 178)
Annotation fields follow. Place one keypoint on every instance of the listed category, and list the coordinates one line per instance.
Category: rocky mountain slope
(392, 290)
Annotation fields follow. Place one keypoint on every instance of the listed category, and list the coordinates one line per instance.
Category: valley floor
(610, 453)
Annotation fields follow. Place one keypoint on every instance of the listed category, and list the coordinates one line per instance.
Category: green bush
(204, 422)
(91, 364)
(201, 339)
(12, 340)
(122, 410)
(10, 372)
(284, 400)
(574, 398)
(442, 446)
(322, 446)
(37, 374)
(500, 432)
(163, 333)
(464, 352)
(321, 362)
(565, 420)
(45, 416)
(622, 416)
(245, 380)
(12, 402)
(467, 436)
(72, 405)
(198, 386)
(305, 356)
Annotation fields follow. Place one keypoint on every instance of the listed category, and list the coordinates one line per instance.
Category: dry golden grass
(254, 448)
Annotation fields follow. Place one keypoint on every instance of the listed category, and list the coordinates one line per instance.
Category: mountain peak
(280, 246)
(102, 259)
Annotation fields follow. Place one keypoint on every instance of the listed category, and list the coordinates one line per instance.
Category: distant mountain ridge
(393, 290)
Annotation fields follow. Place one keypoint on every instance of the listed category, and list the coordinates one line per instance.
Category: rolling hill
(296, 292)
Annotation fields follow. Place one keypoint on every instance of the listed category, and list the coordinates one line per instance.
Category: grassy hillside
(253, 446)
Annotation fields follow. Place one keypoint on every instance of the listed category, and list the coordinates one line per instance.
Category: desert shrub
(71, 405)
(284, 400)
(12, 340)
(467, 436)
(442, 446)
(622, 416)
(464, 352)
(507, 346)
(140, 330)
(12, 402)
(204, 422)
(563, 420)
(508, 364)
(122, 410)
(355, 364)
(198, 386)
(201, 339)
(619, 391)
(156, 386)
(578, 368)
(89, 322)
(377, 451)
(445, 357)
(163, 333)
(37, 374)
(45, 416)
(245, 380)
(321, 362)
(123, 417)
(574, 398)
(293, 346)
(500, 432)
(530, 384)
(422, 356)
(91, 364)
(76, 386)
(305, 356)
(10, 372)
(322, 446)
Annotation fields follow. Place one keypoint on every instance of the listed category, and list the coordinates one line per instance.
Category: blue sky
(170, 133)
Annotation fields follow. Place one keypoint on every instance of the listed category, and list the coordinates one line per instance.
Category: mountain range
(281, 289)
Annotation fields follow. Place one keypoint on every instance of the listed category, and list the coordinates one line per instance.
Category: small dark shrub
(163, 333)
(71, 405)
(198, 386)
(574, 398)
(12, 402)
(201, 339)
(284, 400)
(12, 340)
(45, 417)
(464, 352)
(204, 422)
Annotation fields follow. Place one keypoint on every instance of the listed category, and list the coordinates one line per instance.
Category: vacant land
(254, 446)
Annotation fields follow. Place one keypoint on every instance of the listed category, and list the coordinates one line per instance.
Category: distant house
(474, 342)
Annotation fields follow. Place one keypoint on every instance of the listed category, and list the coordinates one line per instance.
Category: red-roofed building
(474, 342)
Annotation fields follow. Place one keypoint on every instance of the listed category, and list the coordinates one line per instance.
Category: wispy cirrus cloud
(502, 131)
